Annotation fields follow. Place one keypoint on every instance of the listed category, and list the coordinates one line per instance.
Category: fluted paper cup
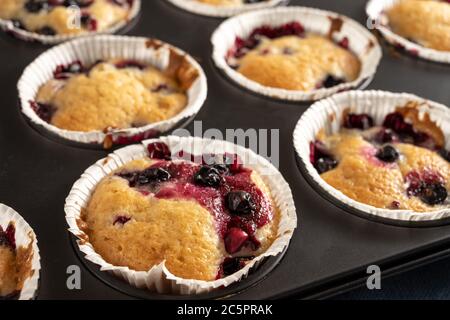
(361, 42)
(9, 27)
(223, 11)
(25, 238)
(376, 11)
(88, 51)
(327, 114)
(159, 279)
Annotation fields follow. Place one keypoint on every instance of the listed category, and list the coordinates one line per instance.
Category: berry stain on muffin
(289, 57)
(398, 164)
(205, 219)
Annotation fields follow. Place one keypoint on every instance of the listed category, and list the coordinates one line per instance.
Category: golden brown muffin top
(401, 164)
(109, 96)
(141, 226)
(362, 177)
(296, 63)
(426, 22)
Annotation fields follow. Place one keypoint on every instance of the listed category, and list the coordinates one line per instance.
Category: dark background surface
(331, 248)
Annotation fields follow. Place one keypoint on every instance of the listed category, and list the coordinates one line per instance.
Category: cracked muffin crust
(113, 94)
(289, 58)
(56, 17)
(398, 164)
(426, 22)
(15, 264)
(205, 221)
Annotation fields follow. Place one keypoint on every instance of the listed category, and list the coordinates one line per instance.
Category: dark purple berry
(396, 122)
(208, 176)
(395, 205)
(331, 81)
(55, 3)
(424, 140)
(146, 177)
(344, 43)
(321, 158)
(46, 31)
(152, 175)
(240, 203)
(387, 154)
(121, 220)
(222, 168)
(406, 132)
(433, 194)
(325, 164)
(159, 150)
(233, 265)
(235, 239)
(385, 136)
(358, 121)
(88, 22)
(34, 6)
(8, 236)
(44, 111)
(241, 46)
(63, 72)
(130, 64)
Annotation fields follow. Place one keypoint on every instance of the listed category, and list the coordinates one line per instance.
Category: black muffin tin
(329, 251)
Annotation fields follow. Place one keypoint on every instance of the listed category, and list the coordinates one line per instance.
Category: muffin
(65, 17)
(288, 57)
(425, 22)
(114, 93)
(398, 164)
(15, 263)
(204, 219)
(296, 53)
(110, 90)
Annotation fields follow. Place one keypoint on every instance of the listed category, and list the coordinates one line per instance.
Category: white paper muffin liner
(327, 114)
(159, 279)
(223, 11)
(361, 42)
(88, 51)
(376, 11)
(8, 26)
(24, 235)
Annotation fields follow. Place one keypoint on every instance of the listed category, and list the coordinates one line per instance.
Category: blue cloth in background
(427, 282)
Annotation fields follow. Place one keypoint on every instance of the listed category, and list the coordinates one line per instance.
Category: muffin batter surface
(154, 210)
(398, 165)
(296, 63)
(112, 94)
(426, 22)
